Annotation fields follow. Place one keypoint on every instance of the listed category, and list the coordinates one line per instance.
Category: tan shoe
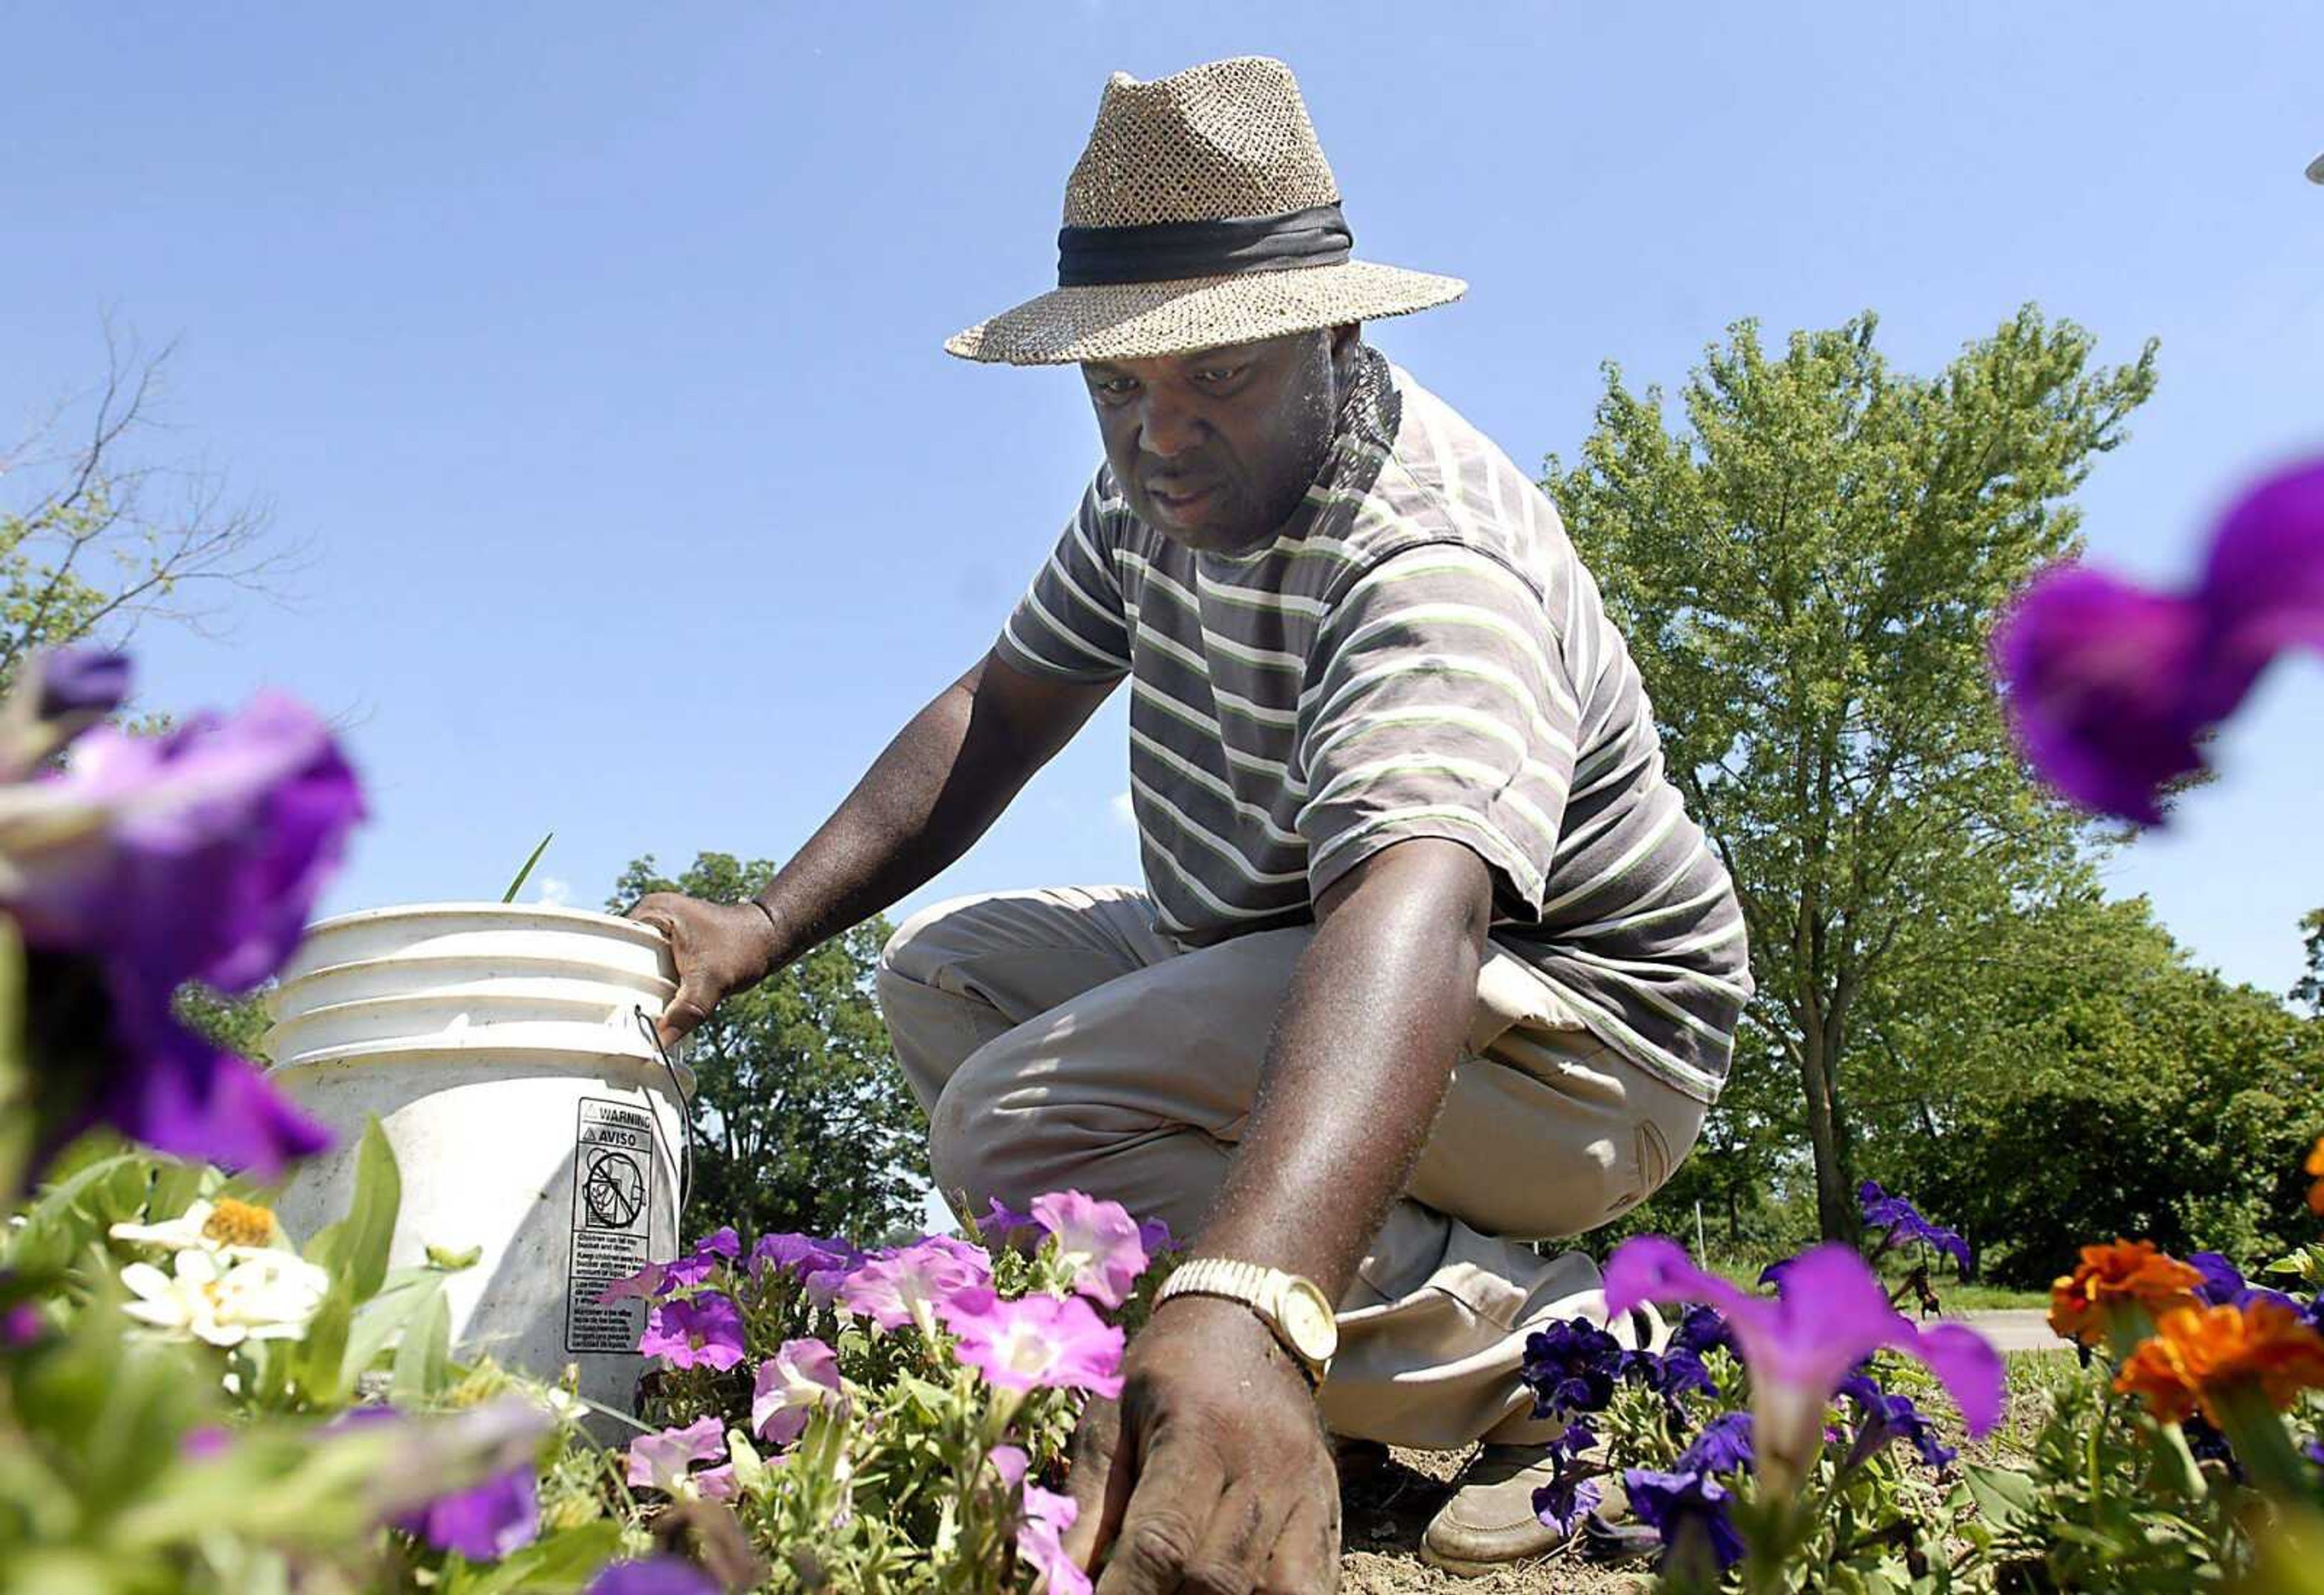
(1489, 1521)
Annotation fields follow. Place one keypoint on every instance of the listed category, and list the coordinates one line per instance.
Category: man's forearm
(1358, 1066)
(935, 789)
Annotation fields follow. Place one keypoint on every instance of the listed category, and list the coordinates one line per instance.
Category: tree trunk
(1836, 1218)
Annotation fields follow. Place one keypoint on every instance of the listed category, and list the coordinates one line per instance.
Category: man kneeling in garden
(1429, 963)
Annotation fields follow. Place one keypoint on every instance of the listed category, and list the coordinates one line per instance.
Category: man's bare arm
(934, 790)
(1214, 1472)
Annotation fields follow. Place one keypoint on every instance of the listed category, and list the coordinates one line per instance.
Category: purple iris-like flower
(1154, 1235)
(658, 1575)
(194, 855)
(2111, 685)
(1724, 1446)
(704, 1333)
(482, 1524)
(1688, 1510)
(1901, 1222)
(1097, 1239)
(1829, 1314)
(1571, 1364)
(1883, 1418)
(661, 1461)
(1040, 1341)
(2223, 1282)
(910, 1284)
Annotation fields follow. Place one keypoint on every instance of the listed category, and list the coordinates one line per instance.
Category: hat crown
(1225, 139)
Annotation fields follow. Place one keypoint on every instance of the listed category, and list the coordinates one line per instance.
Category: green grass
(1956, 1297)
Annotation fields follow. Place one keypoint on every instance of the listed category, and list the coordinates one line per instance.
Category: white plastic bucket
(500, 1048)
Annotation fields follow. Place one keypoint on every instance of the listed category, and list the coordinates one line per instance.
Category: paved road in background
(2013, 1329)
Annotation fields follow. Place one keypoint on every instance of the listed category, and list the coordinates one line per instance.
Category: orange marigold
(2315, 1166)
(2126, 1271)
(2198, 1354)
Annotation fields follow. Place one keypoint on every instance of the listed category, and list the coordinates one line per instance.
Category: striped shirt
(1418, 654)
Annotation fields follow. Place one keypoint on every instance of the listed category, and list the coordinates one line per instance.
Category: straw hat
(1202, 213)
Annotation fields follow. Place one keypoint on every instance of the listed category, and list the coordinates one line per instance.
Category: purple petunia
(1689, 1510)
(1830, 1313)
(802, 1257)
(801, 1377)
(485, 1523)
(2110, 687)
(2223, 1282)
(1724, 1446)
(1571, 1366)
(704, 1333)
(1568, 1499)
(193, 855)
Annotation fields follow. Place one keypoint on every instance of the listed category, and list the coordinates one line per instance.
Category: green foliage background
(803, 1121)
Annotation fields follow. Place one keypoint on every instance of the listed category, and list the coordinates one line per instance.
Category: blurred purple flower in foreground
(1829, 1314)
(659, 1575)
(195, 855)
(2109, 685)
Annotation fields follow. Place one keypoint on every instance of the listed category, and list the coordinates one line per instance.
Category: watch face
(1306, 1318)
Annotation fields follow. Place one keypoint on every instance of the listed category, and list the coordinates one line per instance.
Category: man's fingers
(1235, 1545)
(697, 993)
(1178, 1490)
(1305, 1557)
(1099, 1483)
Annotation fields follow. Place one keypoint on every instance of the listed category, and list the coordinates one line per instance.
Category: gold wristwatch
(1290, 1305)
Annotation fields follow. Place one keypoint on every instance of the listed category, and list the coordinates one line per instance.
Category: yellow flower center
(239, 1223)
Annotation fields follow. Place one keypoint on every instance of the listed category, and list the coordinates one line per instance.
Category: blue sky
(593, 350)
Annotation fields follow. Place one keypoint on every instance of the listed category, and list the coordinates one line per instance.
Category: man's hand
(1213, 1474)
(720, 948)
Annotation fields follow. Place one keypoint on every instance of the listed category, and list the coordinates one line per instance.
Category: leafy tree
(238, 1024)
(1807, 573)
(802, 1119)
(2309, 988)
(2081, 1079)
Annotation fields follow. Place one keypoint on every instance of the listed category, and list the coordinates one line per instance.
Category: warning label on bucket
(612, 1211)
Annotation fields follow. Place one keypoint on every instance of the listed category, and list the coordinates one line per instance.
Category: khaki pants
(1058, 1041)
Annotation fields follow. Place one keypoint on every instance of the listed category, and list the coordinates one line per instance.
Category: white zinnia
(265, 1295)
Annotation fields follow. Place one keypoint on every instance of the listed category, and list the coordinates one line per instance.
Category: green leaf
(319, 1367)
(2004, 1496)
(16, 1127)
(399, 1305)
(517, 885)
(562, 1562)
(424, 1352)
(356, 1246)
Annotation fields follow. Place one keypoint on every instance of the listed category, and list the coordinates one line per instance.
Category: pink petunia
(791, 1385)
(645, 1285)
(661, 1461)
(1040, 1537)
(1829, 1314)
(705, 1331)
(1098, 1240)
(908, 1285)
(1042, 1340)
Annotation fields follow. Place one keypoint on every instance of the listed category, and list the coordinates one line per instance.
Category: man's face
(1216, 448)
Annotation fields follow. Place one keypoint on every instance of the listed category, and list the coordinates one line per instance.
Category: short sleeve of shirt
(1436, 702)
(1071, 621)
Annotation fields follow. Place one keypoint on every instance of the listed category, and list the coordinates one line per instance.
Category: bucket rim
(632, 929)
(427, 1047)
(522, 966)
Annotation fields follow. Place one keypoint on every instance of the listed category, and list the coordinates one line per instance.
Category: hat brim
(1143, 320)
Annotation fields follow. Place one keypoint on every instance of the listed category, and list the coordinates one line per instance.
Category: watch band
(1256, 1287)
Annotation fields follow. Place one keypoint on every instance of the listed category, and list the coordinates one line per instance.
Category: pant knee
(918, 948)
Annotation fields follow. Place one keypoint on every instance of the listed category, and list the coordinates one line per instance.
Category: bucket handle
(685, 1117)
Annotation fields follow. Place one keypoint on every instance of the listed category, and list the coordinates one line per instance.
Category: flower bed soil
(1385, 1513)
